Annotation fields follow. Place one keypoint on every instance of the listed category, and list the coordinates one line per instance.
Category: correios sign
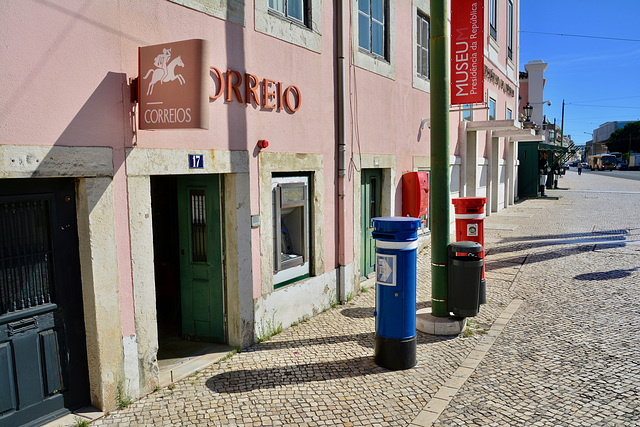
(467, 51)
(173, 85)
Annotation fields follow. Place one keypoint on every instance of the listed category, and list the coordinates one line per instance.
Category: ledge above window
(230, 10)
(272, 24)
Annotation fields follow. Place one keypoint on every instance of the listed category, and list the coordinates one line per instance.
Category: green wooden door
(370, 205)
(201, 273)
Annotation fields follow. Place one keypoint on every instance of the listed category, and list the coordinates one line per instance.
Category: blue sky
(598, 79)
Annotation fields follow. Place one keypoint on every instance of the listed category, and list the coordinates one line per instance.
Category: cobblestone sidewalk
(556, 344)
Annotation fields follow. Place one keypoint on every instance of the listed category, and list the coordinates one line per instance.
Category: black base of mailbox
(395, 353)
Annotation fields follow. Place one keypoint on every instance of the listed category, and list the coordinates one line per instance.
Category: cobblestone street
(556, 344)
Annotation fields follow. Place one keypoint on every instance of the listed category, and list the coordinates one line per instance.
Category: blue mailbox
(396, 264)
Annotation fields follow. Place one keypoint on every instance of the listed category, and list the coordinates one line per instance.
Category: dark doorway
(174, 345)
(43, 358)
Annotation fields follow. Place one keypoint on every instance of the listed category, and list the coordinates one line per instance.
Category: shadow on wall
(101, 122)
(105, 120)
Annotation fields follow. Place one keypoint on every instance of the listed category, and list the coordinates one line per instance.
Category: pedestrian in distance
(579, 169)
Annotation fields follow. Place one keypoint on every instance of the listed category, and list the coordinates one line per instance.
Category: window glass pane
(419, 59)
(425, 63)
(425, 33)
(363, 6)
(295, 9)
(377, 10)
(493, 18)
(492, 109)
(509, 114)
(363, 31)
(277, 5)
(377, 38)
(466, 113)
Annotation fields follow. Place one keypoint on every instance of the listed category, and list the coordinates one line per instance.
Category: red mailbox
(415, 195)
(470, 227)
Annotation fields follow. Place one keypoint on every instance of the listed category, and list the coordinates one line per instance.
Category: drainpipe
(439, 157)
(342, 153)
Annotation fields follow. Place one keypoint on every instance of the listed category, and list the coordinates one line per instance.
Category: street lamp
(528, 109)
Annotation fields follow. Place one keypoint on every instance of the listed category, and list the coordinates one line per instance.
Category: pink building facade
(222, 235)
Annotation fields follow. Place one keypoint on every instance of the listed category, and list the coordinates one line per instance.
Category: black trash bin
(464, 278)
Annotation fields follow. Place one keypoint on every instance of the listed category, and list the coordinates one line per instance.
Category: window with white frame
(372, 27)
(295, 10)
(510, 29)
(422, 45)
(509, 114)
(492, 109)
(493, 19)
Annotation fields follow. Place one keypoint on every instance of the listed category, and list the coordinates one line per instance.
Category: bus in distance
(602, 162)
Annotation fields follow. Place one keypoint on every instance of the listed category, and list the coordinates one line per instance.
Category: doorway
(43, 358)
(188, 263)
(370, 194)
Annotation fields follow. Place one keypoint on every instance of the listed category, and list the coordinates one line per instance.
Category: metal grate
(25, 254)
(198, 226)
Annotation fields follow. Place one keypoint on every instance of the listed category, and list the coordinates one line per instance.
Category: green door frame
(201, 258)
(370, 196)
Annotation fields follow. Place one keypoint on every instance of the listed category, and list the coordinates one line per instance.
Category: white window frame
(284, 13)
(493, 19)
(371, 20)
(308, 35)
(374, 63)
(510, 12)
(493, 103)
(420, 19)
(421, 7)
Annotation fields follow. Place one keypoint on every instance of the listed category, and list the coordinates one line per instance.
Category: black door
(43, 359)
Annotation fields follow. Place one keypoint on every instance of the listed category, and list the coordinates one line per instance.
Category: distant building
(602, 134)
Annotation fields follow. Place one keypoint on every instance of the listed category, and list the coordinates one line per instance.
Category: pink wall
(67, 84)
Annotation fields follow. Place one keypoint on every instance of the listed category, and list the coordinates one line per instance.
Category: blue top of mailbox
(396, 228)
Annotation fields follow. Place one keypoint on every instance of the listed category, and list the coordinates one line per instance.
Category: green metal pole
(440, 175)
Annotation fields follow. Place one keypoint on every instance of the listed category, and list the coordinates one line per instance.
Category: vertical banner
(467, 51)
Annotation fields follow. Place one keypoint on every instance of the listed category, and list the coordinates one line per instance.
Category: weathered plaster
(141, 229)
(155, 161)
(131, 383)
(238, 263)
(26, 161)
(299, 301)
(309, 38)
(230, 10)
(99, 269)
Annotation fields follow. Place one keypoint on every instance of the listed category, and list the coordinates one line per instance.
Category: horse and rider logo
(173, 85)
(165, 70)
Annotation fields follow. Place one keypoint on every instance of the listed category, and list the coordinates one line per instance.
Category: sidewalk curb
(434, 408)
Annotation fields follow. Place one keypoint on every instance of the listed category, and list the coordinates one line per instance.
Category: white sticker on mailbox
(385, 269)
(472, 230)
